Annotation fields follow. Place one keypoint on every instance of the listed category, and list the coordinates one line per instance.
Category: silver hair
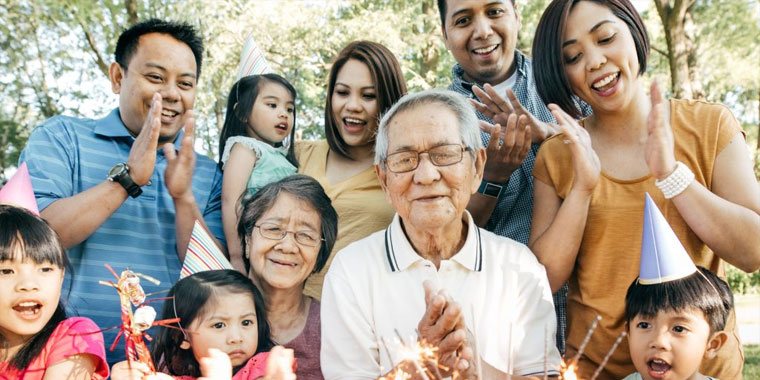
(469, 131)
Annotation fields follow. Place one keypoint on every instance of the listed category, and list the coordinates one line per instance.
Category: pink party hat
(663, 258)
(202, 254)
(18, 191)
(252, 60)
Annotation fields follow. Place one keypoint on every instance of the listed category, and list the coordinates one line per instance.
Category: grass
(751, 362)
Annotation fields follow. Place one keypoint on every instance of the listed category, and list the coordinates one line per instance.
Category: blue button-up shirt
(67, 156)
(512, 215)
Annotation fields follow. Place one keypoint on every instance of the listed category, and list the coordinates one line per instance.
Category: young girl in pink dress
(37, 340)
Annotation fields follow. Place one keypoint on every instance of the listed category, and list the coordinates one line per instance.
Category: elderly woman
(429, 160)
(295, 228)
(690, 156)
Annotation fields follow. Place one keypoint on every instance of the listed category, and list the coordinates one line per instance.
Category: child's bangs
(27, 237)
(691, 293)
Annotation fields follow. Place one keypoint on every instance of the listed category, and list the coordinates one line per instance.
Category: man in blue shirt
(126, 189)
(482, 37)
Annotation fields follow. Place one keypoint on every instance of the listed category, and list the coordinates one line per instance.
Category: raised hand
(659, 147)
(180, 166)
(443, 326)
(586, 163)
(142, 155)
(507, 147)
(498, 109)
(216, 366)
(280, 364)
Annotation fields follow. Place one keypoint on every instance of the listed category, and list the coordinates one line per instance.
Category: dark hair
(188, 299)
(240, 105)
(129, 39)
(21, 231)
(442, 8)
(301, 187)
(702, 290)
(386, 76)
(548, 63)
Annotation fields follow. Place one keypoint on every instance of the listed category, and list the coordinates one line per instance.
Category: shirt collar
(113, 126)
(458, 72)
(400, 253)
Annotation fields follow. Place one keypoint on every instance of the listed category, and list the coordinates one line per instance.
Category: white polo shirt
(373, 290)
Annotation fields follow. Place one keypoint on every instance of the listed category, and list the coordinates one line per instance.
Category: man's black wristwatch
(120, 173)
(490, 189)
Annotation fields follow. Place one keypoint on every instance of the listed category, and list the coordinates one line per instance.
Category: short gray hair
(469, 131)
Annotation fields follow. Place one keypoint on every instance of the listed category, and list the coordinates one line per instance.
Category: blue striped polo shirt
(66, 156)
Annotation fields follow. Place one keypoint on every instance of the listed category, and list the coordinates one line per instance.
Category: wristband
(676, 182)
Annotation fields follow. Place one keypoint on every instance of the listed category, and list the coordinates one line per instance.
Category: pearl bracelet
(676, 182)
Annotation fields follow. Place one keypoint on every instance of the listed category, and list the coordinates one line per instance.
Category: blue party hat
(663, 257)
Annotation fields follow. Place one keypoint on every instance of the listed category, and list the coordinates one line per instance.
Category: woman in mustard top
(365, 80)
(690, 156)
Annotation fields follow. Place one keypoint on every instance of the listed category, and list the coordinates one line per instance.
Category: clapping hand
(498, 109)
(506, 149)
(443, 326)
(659, 147)
(586, 163)
(180, 166)
(142, 155)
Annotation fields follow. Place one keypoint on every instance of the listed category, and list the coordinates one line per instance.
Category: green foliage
(751, 361)
(741, 282)
(54, 54)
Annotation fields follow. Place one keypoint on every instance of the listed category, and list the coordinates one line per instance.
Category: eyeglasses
(408, 160)
(275, 232)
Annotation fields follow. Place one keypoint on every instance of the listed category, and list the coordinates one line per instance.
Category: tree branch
(102, 65)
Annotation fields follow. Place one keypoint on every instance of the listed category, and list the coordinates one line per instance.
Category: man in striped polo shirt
(126, 189)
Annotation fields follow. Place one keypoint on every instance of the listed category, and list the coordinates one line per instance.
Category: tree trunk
(131, 6)
(430, 54)
(680, 37)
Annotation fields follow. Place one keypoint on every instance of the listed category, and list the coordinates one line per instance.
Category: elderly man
(492, 313)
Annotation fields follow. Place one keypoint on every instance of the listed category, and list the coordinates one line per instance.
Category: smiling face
(671, 345)
(285, 263)
(355, 104)
(29, 295)
(600, 58)
(272, 114)
(229, 325)
(161, 64)
(482, 37)
(429, 197)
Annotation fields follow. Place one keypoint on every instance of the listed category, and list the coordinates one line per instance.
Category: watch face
(116, 170)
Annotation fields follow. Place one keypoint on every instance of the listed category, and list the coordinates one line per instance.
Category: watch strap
(490, 189)
(125, 180)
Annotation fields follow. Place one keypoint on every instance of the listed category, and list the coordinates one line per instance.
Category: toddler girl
(260, 117)
(218, 309)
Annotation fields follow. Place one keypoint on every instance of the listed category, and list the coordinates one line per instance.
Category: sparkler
(609, 354)
(134, 324)
(585, 341)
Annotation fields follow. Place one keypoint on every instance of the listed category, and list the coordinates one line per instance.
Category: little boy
(675, 312)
